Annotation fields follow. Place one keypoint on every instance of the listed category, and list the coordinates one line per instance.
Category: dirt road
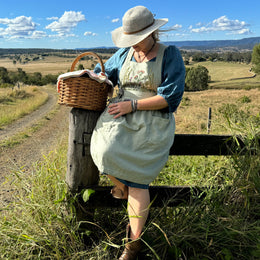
(44, 140)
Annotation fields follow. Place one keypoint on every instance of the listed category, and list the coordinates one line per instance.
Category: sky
(70, 24)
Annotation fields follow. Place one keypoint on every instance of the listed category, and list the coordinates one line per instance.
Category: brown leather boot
(131, 250)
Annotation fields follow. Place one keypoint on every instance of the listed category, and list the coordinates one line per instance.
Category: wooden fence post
(209, 120)
(81, 170)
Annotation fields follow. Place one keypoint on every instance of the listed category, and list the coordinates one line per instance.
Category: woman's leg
(138, 207)
(138, 210)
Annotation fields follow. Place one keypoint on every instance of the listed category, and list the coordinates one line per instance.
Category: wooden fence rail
(184, 144)
(83, 174)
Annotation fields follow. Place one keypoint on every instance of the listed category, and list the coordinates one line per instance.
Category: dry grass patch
(49, 65)
(17, 103)
(192, 115)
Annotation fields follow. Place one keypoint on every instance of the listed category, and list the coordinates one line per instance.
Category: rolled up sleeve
(173, 78)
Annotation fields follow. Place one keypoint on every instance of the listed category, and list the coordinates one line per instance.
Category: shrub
(197, 78)
(6, 85)
(20, 94)
(185, 101)
(232, 113)
(245, 99)
(256, 58)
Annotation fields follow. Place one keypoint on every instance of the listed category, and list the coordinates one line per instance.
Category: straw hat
(138, 23)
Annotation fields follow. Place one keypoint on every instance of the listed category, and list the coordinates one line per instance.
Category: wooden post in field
(209, 119)
(81, 170)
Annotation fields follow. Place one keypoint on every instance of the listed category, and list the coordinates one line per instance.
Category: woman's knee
(138, 193)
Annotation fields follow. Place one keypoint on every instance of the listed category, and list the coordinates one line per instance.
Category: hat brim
(123, 40)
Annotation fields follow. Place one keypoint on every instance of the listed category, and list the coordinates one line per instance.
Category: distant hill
(245, 44)
(241, 45)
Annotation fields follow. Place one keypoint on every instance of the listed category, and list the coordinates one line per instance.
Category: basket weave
(84, 92)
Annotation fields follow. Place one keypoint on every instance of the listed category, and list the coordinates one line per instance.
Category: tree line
(10, 78)
(46, 52)
(244, 57)
(197, 78)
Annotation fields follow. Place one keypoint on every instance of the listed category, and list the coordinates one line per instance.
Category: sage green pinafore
(135, 147)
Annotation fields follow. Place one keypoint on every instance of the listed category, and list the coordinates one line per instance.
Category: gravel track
(41, 142)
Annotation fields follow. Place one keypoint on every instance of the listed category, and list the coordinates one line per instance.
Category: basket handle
(85, 54)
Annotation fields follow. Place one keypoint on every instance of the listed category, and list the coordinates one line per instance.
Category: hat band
(141, 29)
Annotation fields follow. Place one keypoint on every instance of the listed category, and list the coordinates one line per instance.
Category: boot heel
(120, 194)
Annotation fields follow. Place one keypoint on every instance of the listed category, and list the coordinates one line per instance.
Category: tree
(80, 67)
(22, 75)
(198, 57)
(4, 78)
(197, 78)
(49, 79)
(35, 79)
(256, 58)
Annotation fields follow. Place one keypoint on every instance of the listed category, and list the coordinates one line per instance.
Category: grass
(18, 103)
(22, 136)
(192, 115)
(50, 65)
(230, 75)
(223, 71)
(42, 224)
(196, 171)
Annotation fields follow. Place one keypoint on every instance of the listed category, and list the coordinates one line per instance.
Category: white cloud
(242, 31)
(176, 27)
(199, 24)
(66, 23)
(19, 27)
(52, 18)
(90, 34)
(38, 35)
(116, 20)
(223, 24)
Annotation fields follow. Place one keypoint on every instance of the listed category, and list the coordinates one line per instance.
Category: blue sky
(86, 24)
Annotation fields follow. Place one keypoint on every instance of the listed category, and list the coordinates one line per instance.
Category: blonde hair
(155, 35)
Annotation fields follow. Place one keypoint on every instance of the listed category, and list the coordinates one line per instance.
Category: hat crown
(136, 19)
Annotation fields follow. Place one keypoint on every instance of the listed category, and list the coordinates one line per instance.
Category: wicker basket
(84, 92)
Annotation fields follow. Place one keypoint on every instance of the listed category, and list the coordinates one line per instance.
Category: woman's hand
(120, 108)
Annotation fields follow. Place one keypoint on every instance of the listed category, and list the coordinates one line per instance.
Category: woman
(133, 135)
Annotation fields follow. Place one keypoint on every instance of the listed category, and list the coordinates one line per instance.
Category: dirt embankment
(41, 142)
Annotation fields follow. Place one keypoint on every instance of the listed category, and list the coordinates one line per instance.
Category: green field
(230, 75)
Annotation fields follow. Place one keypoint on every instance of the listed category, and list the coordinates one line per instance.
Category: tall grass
(37, 224)
(17, 103)
(42, 224)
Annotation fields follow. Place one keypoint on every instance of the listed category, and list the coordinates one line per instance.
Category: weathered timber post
(209, 120)
(81, 170)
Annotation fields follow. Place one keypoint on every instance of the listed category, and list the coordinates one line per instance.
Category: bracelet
(134, 105)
